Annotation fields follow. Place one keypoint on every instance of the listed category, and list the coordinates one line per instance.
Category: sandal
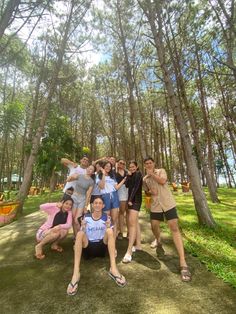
(153, 245)
(185, 274)
(39, 256)
(74, 287)
(127, 258)
(118, 279)
(57, 248)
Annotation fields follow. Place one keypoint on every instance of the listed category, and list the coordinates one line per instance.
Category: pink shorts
(40, 235)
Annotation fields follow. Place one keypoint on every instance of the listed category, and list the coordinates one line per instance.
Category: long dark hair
(110, 173)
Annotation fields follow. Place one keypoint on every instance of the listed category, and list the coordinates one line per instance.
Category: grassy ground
(32, 203)
(30, 286)
(216, 248)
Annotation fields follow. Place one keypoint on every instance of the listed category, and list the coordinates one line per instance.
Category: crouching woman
(56, 227)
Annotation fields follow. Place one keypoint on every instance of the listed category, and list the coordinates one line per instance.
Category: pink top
(51, 209)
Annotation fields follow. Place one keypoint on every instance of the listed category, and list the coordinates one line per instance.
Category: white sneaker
(154, 244)
(127, 258)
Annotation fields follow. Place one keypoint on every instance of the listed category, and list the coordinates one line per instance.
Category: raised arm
(72, 177)
(101, 183)
(118, 186)
(66, 162)
(49, 208)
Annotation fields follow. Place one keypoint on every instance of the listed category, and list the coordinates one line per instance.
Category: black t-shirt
(119, 177)
(60, 218)
(134, 184)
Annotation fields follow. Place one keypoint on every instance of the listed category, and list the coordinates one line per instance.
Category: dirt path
(154, 286)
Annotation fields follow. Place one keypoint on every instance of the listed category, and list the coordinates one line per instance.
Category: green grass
(216, 248)
(32, 203)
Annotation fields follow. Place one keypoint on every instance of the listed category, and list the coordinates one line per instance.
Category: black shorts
(135, 206)
(169, 214)
(95, 249)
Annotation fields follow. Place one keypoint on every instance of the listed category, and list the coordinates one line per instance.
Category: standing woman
(121, 173)
(108, 189)
(134, 185)
(81, 195)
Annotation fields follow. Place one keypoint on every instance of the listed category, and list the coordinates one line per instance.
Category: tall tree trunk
(203, 212)
(23, 192)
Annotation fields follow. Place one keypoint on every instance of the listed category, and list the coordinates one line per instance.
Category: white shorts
(123, 193)
(40, 235)
(79, 201)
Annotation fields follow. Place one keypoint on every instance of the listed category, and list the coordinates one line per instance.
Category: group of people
(97, 200)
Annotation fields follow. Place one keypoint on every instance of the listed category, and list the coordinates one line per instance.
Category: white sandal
(154, 244)
(127, 258)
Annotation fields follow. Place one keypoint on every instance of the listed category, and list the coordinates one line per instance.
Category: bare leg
(52, 236)
(76, 226)
(173, 225)
(81, 242)
(110, 241)
(138, 245)
(133, 219)
(55, 245)
(155, 225)
(122, 208)
(127, 219)
(114, 217)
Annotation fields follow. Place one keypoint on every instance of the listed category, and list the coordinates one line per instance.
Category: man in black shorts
(95, 238)
(163, 205)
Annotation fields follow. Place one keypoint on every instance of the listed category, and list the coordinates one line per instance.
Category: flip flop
(185, 274)
(127, 259)
(39, 256)
(73, 286)
(117, 278)
(57, 249)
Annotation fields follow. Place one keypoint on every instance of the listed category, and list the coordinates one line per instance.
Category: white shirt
(73, 170)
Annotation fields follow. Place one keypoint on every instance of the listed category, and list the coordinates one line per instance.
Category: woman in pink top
(56, 227)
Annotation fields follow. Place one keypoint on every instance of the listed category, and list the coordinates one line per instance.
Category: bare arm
(66, 162)
(88, 195)
(117, 186)
(101, 183)
(73, 177)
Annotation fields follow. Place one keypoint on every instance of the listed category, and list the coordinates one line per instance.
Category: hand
(149, 172)
(103, 171)
(59, 205)
(83, 224)
(108, 222)
(129, 173)
(130, 203)
(75, 165)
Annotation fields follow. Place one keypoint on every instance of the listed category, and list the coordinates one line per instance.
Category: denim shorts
(111, 200)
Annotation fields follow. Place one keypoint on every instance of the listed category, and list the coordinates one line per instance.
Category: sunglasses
(121, 163)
